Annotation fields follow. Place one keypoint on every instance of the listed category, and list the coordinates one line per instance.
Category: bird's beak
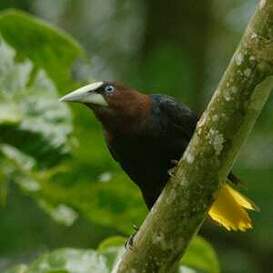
(86, 94)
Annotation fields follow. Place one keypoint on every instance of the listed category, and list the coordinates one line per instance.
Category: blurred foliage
(201, 256)
(57, 156)
(31, 118)
(40, 126)
(109, 251)
(51, 49)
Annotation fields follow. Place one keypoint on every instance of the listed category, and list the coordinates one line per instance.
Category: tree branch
(222, 129)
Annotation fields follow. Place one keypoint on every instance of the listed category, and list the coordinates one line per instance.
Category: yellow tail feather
(229, 209)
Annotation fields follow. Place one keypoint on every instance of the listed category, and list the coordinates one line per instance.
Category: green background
(176, 48)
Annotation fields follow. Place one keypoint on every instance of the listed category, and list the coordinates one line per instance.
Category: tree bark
(183, 205)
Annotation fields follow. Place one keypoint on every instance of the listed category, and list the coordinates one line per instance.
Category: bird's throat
(125, 118)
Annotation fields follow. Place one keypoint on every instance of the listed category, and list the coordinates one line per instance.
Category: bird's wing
(179, 117)
(184, 120)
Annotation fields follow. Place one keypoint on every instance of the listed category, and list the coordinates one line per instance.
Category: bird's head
(115, 105)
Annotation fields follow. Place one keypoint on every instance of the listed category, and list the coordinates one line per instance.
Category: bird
(147, 135)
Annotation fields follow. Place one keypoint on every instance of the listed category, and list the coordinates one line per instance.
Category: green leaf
(46, 46)
(69, 261)
(31, 118)
(115, 241)
(112, 248)
(201, 256)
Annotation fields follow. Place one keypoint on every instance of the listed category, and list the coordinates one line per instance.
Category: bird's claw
(174, 162)
(130, 242)
(171, 171)
(136, 228)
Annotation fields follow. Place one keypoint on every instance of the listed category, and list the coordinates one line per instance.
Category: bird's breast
(145, 160)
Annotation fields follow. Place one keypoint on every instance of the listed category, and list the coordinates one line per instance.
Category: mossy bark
(222, 129)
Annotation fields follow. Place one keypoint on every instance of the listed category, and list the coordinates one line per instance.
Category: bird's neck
(126, 119)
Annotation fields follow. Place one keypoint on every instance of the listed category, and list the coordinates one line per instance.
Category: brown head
(120, 108)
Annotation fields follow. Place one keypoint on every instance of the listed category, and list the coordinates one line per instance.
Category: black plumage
(148, 154)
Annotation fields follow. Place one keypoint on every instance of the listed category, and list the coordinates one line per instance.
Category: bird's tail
(230, 209)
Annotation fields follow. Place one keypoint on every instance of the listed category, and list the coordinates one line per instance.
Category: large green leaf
(31, 118)
(112, 248)
(46, 46)
(201, 256)
(34, 126)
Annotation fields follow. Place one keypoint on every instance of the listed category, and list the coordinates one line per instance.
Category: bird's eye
(109, 88)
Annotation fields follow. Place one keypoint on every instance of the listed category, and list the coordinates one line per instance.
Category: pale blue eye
(109, 88)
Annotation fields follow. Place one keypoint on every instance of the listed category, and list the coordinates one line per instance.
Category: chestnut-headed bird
(146, 134)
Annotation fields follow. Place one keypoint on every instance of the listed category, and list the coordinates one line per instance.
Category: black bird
(146, 134)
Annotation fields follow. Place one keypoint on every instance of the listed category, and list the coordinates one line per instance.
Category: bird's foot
(130, 242)
(129, 245)
(136, 228)
(171, 171)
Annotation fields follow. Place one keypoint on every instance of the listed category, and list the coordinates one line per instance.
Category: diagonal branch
(224, 126)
